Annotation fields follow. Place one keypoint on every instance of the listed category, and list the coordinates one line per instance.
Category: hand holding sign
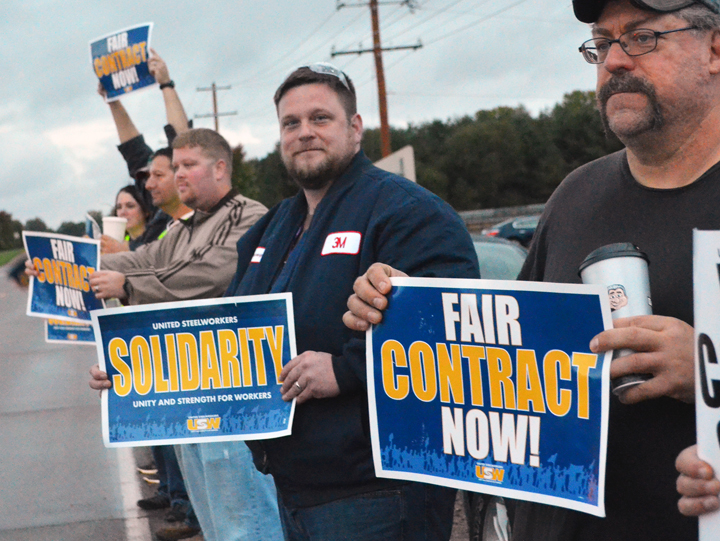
(697, 484)
(108, 285)
(370, 298)
(158, 68)
(100, 379)
(30, 269)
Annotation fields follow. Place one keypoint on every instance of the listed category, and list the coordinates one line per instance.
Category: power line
(481, 20)
(377, 51)
(474, 23)
(265, 75)
(387, 23)
(279, 68)
(291, 50)
(429, 18)
(215, 114)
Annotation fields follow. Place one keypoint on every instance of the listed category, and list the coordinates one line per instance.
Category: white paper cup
(114, 226)
(623, 269)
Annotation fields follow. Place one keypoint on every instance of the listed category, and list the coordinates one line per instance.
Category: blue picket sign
(490, 386)
(120, 60)
(195, 371)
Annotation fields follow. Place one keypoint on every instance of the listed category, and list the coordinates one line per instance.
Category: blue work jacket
(368, 215)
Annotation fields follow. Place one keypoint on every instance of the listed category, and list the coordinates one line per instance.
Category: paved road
(57, 480)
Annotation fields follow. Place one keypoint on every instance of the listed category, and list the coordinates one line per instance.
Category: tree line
(496, 158)
(11, 229)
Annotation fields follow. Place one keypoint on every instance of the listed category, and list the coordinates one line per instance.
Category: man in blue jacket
(347, 215)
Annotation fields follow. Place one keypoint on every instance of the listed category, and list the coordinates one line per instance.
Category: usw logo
(203, 423)
(494, 474)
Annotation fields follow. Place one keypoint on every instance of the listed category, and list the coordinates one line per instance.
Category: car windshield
(527, 223)
(499, 261)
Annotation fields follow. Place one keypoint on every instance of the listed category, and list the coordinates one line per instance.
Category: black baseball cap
(588, 11)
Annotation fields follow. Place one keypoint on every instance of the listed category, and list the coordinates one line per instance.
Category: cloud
(83, 143)
(58, 150)
(257, 140)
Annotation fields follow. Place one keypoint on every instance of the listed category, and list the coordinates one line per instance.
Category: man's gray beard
(629, 83)
(321, 176)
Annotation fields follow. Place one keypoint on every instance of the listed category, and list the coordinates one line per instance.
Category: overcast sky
(58, 150)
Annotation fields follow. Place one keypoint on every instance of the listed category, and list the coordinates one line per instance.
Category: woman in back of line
(129, 204)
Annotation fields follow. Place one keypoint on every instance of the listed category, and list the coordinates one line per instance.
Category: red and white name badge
(345, 242)
(257, 256)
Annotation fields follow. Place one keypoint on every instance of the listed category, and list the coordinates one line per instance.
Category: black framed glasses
(634, 43)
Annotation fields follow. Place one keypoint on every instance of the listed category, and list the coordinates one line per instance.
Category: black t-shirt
(598, 204)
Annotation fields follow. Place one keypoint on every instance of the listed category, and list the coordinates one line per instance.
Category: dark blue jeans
(411, 512)
(169, 474)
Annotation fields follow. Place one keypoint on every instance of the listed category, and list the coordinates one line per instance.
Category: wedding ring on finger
(299, 387)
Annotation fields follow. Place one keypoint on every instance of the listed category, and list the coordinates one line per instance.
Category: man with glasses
(347, 215)
(658, 91)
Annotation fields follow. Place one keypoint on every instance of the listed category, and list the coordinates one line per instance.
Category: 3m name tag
(346, 242)
(257, 256)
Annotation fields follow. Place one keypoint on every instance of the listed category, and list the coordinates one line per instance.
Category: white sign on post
(706, 286)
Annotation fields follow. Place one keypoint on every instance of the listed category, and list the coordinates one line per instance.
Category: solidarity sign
(64, 264)
(490, 386)
(196, 371)
(58, 331)
(120, 60)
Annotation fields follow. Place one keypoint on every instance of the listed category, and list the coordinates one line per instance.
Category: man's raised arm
(174, 110)
(123, 123)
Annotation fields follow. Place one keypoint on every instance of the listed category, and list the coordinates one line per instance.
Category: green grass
(7, 255)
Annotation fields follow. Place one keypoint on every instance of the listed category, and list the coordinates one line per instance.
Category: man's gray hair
(700, 16)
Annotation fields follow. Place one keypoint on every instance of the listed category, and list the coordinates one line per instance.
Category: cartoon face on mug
(617, 296)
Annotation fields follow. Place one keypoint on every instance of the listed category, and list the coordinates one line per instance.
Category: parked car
(499, 259)
(520, 230)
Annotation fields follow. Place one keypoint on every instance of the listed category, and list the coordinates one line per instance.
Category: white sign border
(28, 309)
(66, 342)
(706, 258)
(287, 297)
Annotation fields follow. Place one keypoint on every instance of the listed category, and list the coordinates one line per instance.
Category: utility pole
(214, 88)
(377, 51)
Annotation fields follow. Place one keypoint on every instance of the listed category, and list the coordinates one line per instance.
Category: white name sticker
(257, 256)
(346, 242)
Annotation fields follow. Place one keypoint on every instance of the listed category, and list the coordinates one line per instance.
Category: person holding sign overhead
(132, 144)
(658, 91)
